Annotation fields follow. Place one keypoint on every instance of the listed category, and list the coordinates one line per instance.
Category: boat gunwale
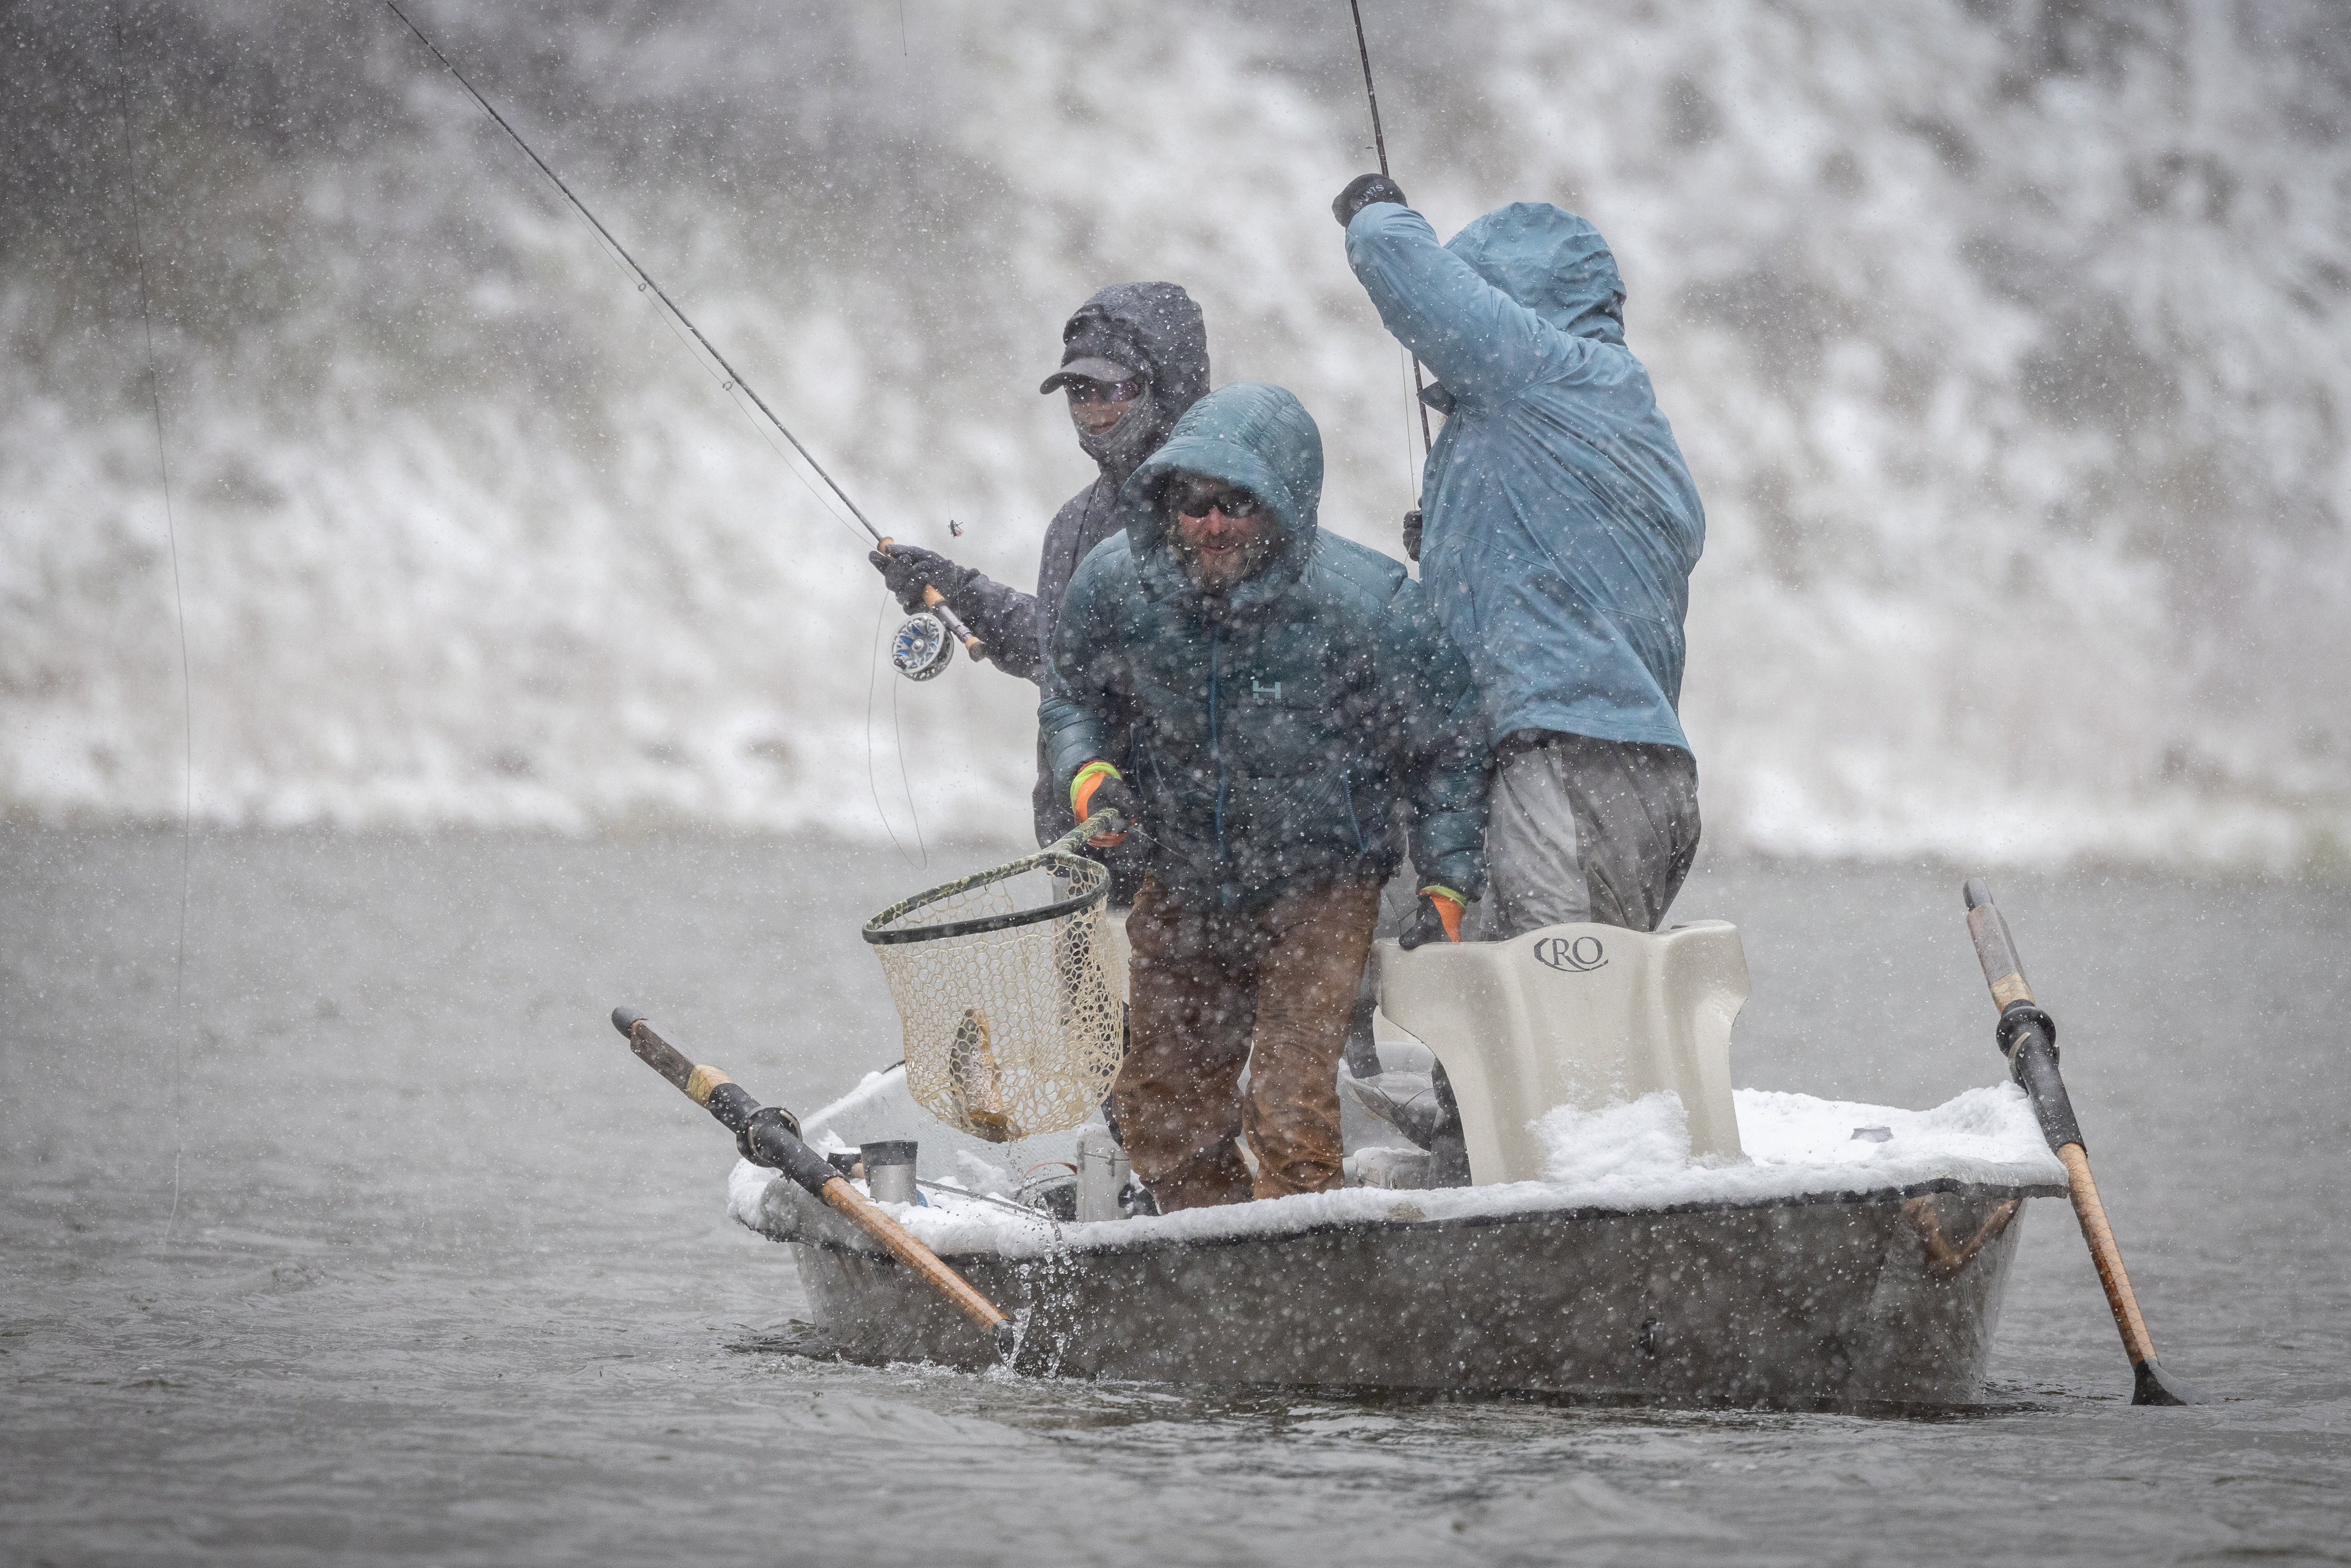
(1109, 1244)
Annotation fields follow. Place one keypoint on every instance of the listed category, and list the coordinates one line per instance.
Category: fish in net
(1013, 1007)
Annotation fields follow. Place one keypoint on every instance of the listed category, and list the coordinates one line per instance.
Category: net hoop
(1011, 1004)
(885, 930)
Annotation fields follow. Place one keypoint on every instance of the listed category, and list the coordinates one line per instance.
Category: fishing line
(726, 390)
(873, 777)
(729, 383)
(180, 621)
(1380, 144)
(645, 280)
(1411, 478)
(905, 778)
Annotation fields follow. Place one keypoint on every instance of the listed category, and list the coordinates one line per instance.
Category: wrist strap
(1088, 779)
(1449, 905)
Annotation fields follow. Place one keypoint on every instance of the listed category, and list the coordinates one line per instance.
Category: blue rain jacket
(1559, 521)
(1292, 733)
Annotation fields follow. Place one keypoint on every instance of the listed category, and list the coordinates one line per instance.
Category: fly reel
(922, 647)
(926, 645)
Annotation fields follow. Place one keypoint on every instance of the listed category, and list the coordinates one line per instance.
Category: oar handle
(1995, 949)
(705, 1086)
(2027, 1034)
(936, 603)
(769, 1135)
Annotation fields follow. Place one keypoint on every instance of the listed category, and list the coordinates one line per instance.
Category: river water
(378, 1246)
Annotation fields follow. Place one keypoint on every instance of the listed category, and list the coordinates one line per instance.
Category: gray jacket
(1156, 327)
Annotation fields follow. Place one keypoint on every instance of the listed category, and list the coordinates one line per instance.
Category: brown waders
(1212, 991)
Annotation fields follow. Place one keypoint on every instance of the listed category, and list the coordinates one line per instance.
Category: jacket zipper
(1215, 737)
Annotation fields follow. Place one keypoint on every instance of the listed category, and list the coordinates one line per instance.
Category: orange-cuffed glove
(1439, 918)
(1099, 787)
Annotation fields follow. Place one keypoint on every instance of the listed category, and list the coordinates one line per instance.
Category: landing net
(1014, 1011)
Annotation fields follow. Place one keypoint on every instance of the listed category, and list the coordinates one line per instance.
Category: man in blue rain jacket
(1560, 529)
(1297, 720)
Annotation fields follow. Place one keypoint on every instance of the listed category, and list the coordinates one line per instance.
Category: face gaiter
(1121, 448)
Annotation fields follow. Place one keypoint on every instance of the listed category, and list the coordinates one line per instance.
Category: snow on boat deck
(1632, 1157)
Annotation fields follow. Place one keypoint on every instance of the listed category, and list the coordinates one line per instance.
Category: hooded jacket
(1299, 729)
(1155, 327)
(1560, 523)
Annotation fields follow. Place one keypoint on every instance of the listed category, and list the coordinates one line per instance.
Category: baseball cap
(1085, 367)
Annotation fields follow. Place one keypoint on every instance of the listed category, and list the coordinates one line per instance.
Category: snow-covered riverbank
(2005, 345)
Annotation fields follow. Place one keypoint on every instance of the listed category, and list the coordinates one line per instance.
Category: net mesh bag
(1013, 1008)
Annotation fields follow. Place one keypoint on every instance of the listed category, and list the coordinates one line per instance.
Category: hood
(1550, 261)
(1155, 327)
(1258, 437)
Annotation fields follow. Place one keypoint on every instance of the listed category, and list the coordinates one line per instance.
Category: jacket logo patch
(1264, 689)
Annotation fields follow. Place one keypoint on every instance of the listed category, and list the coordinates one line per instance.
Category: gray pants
(1585, 830)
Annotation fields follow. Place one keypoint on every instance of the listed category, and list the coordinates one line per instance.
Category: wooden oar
(2029, 1038)
(769, 1135)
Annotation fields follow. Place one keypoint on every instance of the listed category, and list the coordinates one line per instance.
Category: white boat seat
(1573, 1015)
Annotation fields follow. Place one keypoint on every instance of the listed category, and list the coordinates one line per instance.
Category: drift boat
(1634, 1231)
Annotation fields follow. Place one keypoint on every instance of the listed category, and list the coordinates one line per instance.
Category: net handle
(1101, 823)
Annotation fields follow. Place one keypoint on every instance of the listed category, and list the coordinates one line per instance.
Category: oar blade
(2150, 1385)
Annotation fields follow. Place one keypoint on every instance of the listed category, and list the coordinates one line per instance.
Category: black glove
(1428, 924)
(1113, 795)
(1361, 192)
(910, 569)
(1412, 535)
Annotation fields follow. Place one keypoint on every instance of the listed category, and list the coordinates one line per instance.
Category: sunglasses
(1199, 500)
(1080, 389)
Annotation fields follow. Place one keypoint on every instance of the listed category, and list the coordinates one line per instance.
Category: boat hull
(1845, 1301)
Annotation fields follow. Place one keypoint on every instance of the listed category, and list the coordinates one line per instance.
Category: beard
(1220, 571)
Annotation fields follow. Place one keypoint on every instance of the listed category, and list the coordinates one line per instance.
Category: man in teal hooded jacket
(1560, 529)
(1296, 718)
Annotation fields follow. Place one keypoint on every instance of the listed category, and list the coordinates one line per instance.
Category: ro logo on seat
(1572, 955)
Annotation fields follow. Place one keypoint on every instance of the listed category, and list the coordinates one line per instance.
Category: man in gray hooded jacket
(1134, 357)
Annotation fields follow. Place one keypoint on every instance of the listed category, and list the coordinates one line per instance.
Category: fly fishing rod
(769, 1135)
(922, 647)
(2028, 1038)
(1380, 145)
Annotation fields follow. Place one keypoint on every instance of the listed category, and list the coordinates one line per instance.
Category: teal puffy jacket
(1295, 732)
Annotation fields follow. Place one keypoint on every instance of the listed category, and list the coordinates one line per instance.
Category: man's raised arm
(1480, 343)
